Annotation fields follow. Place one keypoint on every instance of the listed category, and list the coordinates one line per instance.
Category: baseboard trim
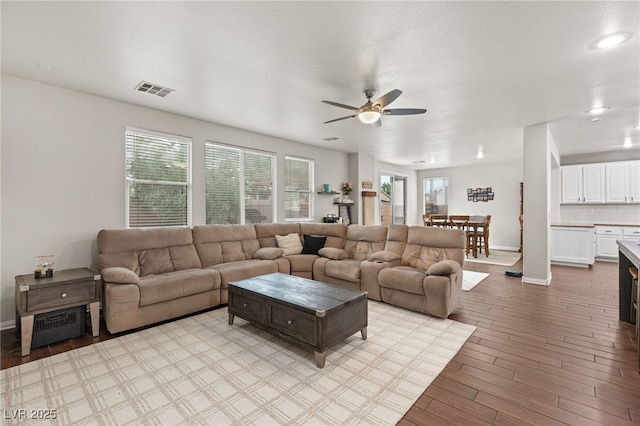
(537, 281)
(504, 248)
(7, 325)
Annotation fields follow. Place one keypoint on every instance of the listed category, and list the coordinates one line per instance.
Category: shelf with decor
(328, 192)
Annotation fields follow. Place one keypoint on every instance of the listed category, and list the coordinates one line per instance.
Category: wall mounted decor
(479, 194)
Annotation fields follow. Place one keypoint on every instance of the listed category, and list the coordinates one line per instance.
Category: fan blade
(338, 119)
(404, 111)
(342, 105)
(385, 100)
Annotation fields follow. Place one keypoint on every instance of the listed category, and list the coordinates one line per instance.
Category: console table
(66, 289)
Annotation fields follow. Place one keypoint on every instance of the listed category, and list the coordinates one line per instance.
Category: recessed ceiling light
(611, 40)
(637, 126)
(627, 142)
(597, 110)
(596, 118)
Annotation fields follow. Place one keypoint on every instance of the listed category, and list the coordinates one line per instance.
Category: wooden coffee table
(309, 313)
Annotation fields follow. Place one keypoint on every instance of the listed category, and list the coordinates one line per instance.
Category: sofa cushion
(301, 262)
(384, 256)
(290, 243)
(403, 278)
(217, 244)
(333, 253)
(362, 240)
(348, 270)
(313, 244)
(174, 285)
(235, 271)
(155, 261)
(334, 232)
(184, 257)
(268, 253)
(266, 232)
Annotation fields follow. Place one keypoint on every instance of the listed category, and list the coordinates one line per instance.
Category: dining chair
(483, 236)
(440, 220)
(425, 219)
(478, 235)
(458, 221)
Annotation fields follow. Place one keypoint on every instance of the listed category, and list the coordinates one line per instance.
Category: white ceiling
(483, 70)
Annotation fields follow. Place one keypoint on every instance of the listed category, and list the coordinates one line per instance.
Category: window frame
(243, 151)
(188, 144)
(309, 191)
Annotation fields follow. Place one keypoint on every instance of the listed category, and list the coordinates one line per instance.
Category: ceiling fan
(370, 112)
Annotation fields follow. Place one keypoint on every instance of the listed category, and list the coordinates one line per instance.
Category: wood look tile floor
(541, 355)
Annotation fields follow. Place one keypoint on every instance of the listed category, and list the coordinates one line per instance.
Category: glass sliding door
(393, 194)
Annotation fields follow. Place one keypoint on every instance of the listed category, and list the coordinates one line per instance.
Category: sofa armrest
(444, 267)
(333, 253)
(119, 275)
(384, 256)
(268, 253)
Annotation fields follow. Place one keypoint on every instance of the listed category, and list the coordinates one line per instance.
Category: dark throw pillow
(313, 244)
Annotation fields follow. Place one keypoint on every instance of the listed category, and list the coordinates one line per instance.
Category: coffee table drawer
(248, 307)
(52, 297)
(291, 322)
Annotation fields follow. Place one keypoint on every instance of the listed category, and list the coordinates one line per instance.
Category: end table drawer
(51, 297)
(294, 323)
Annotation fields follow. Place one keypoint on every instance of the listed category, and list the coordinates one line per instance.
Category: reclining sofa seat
(151, 275)
(389, 257)
(429, 276)
(301, 265)
(235, 253)
(343, 266)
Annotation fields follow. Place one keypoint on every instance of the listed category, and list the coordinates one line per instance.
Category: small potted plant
(346, 189)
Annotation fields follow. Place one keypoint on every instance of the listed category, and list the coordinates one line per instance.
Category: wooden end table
(66, 289)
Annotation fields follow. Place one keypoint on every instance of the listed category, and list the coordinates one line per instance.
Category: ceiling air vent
(153, 89)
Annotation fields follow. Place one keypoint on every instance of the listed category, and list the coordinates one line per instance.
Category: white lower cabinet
(573, 245)
(606, 237)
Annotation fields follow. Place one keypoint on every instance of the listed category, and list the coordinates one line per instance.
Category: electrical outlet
(590, 211)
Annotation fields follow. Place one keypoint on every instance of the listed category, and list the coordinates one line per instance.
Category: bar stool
(633, 308)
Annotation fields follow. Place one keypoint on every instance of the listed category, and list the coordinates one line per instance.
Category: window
(436, 195)
(298, 182)
(239, 184)
(158, 177)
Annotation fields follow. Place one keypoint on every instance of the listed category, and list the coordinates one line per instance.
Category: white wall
(503, 178)
(63, 173)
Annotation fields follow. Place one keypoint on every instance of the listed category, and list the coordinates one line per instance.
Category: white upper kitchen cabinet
(583, 183)
(622, 182)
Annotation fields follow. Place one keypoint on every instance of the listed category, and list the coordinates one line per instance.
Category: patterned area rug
(497, 257)
(470, 279)
(201, 370)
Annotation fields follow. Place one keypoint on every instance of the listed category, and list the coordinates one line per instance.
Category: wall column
(538, 151)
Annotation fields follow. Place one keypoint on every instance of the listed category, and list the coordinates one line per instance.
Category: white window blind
(298, 174)
(239, 185)
(158, 177)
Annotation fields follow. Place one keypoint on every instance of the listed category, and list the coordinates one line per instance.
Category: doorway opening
(393, 195)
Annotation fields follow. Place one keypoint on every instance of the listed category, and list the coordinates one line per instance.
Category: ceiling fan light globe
(368, 117)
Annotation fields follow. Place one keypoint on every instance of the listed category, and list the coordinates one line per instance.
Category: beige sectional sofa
(151, 275)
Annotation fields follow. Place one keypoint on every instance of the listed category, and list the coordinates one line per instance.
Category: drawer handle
(64, 295)
(290, 322)
(607, 231)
